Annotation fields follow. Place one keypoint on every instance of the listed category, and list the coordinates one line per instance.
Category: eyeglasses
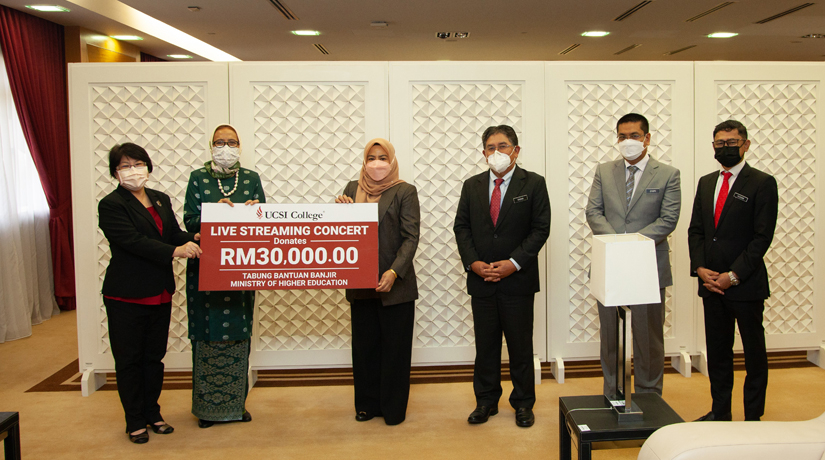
(729, 142)
(500, 147)
(634, 136)
(138, 165)
(231, 142)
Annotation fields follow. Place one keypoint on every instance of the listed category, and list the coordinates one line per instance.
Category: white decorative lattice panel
(447, 122)
(781, 122)
(309, 141)
(593, 109)
(169, 121)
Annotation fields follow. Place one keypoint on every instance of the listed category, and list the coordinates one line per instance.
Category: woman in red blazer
(144, 236)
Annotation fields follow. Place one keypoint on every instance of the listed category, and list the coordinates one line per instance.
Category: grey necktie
(631, 182)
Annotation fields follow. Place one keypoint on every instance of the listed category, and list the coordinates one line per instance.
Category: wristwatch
(734, 281)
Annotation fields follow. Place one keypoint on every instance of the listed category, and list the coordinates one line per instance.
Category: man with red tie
(501, 224)
(731, 229)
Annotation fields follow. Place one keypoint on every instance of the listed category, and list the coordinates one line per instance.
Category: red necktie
(720, 200)
(495, 201)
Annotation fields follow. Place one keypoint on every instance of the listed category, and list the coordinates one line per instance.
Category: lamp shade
(623, 270)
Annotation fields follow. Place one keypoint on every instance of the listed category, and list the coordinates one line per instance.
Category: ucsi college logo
(282, 215)
(272, 215)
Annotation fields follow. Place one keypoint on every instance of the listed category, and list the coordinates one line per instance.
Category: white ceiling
(254, 30)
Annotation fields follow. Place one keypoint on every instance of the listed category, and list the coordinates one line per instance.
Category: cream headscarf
(216, 170)
(369, 190)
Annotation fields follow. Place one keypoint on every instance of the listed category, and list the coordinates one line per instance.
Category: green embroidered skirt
(219, 379)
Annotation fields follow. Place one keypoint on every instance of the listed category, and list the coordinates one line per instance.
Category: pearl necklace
(220, 187)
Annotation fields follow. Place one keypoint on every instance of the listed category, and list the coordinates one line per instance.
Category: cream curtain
(26, 284)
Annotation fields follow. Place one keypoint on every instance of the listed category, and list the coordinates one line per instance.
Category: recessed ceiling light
(722, 35)
(443, 35)
(306, 32)
(126, 37)
(814, 36)
(378, 24)
(48, 8)
(179, 56)
(595, 33)
(461, 34)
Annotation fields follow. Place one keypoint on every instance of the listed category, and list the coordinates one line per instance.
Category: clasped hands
(714, 281)
(493, 272)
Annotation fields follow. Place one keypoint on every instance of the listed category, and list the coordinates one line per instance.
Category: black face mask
(727, 156)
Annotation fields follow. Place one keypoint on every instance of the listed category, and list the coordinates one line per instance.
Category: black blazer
(522, 229)
(743, 236)
(399, 221)
(141, 263)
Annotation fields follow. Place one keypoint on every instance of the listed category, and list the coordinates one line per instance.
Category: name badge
(651, 190)
(740, 197)
(519, 199)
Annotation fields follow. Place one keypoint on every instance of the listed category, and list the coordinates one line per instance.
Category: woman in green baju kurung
(220, 322)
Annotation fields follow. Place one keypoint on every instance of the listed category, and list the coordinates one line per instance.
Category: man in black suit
(734, 217)
(502, 221)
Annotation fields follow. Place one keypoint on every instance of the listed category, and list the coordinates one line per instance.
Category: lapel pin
(158, 202)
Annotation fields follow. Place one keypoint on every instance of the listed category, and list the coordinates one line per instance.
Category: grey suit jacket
(398, 230)
(653, 210)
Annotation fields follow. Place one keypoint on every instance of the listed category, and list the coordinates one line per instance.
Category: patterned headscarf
(369, 190)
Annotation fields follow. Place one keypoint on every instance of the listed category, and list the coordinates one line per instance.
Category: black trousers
(720, 316)
(381, 357)
(513, 316)
(138, 336)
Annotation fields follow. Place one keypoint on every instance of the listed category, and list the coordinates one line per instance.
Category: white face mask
(226, 156)
(133, 179)
(631, 149)
(378, 169)
(499, 162)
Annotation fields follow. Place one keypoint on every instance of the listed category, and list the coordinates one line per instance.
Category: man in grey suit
(636, 194)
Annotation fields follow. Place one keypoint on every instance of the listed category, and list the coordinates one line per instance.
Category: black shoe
(246, 417)
(363, 416)
(205, 423)
(525, 417)
(482, 413)
(141, 438)
(711, 417)
(165, 428)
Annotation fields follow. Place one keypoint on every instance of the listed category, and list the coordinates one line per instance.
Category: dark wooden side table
(10, 434)
(589, 419)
